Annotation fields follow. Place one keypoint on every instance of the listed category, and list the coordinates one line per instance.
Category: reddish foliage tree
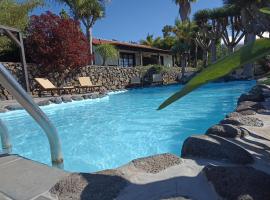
(56, 43)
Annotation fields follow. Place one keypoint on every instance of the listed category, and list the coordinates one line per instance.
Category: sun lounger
(86, 83)
(47, 86)
(157, 79)
(136, 81)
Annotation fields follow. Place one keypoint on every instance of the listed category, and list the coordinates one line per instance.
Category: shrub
(107, 51)
(56, 43)
(148, 71)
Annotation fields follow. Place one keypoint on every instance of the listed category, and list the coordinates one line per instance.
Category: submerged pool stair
(16, 90)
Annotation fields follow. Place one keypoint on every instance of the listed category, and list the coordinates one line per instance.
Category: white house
(132, 54)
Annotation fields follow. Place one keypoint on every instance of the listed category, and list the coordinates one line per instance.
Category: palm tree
(216, 30)
(107, 51)
(233, 31)
(180, 48)
(88, 12)
(167, 30)
(149, 41)
(184, 8)
(184, 35)
(253, 22)
(202, 29)
(248, 53)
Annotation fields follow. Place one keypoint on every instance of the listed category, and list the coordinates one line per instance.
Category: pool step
(23, 179)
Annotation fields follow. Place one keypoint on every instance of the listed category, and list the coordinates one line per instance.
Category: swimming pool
(108, 132)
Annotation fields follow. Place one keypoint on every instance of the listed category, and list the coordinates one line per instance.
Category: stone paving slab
(22, 179)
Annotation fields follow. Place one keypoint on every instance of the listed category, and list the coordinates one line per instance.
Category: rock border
(57, 100)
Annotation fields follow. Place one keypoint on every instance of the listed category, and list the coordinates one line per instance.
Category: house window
(127, 60)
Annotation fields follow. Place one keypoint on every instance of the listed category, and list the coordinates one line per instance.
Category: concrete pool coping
(12, 105)
(22, 179)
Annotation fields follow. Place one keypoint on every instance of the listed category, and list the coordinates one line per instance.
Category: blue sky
(132, 20)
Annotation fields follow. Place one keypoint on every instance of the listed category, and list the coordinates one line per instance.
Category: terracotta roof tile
(126, 44)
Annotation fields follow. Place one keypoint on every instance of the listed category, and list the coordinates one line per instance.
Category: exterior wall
(138, 59)
(167, 58)
(111, 78)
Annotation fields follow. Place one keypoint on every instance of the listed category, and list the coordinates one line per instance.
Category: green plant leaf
(244, 55)
(265, 10)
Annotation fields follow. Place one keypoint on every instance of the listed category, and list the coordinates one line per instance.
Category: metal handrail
(15, 89)
(5, 139)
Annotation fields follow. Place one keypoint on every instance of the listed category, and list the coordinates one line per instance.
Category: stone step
(23, 179)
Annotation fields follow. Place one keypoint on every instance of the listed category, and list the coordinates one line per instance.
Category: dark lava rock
(102, 95)
(175, 198)
(2, 110)
(86, 96)
(94, 95)
(156, 164)
(56, 100)
(104, 185)
(238, 119)
(14, 107)
(216, 148)
(227, 130)
(77, 98)
(249, 107)
(239, 183)
(256, 94)
(66, 99)
(247, 112)
(263, 111)
(251, 97)
(44, 103)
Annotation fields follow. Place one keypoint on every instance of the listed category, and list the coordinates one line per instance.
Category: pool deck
(23, 179)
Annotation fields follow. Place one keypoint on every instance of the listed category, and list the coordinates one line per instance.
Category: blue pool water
(106, 133)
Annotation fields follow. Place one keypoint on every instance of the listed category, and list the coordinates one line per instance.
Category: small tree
(202, 33)
(88, 12)
(107, 51)
(14, 14)
(56, 43)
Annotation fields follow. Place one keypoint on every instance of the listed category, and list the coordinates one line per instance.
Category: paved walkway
(22, 179)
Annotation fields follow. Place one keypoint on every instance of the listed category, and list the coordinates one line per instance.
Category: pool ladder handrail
(16, 90)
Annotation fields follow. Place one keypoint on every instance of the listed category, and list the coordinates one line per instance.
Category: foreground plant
(245, 55)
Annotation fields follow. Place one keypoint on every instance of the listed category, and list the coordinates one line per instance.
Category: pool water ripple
(109, 132)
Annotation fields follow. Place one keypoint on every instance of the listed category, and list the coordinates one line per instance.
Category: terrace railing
(15, 89)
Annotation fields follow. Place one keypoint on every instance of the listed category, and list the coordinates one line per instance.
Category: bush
(56, 43)
(107, 51)
(148, 71)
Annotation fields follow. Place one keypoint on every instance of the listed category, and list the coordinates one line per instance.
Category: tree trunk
(230, 49)
(104, 62)
(213, 51)
(183, 66)
(196, 56)
(205, 58)
(249, 68)
(90, 40)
